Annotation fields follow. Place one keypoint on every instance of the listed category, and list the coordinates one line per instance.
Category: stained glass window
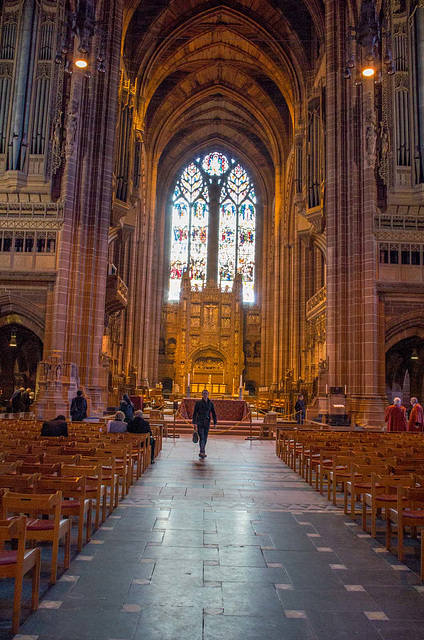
(215, 164)
(190, 217)
(237, 232)
(190, 213)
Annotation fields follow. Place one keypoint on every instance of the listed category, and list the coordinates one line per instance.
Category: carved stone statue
(322, 366)
(71, 129)
(370, 143)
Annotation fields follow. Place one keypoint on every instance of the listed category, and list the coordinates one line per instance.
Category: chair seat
(8, 557)
(71, 504)
(390, 497)
(417, 514)
(11, 557)
(42, 525)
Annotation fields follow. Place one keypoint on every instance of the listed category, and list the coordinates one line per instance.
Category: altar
(226, 410)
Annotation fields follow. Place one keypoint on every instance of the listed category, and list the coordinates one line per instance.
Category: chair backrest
(71, 487)
(19, 482)
(9, 467)
(391, 482)
(82, 470)
(45, 469)
(15, 530)
(70, 459)
(32, 505)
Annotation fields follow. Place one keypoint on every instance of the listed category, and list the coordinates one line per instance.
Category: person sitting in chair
(55, 428)
(118, 425)
(140, 425)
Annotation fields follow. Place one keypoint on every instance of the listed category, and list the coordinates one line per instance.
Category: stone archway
(20, 352)
(404, 369)
(208, 370)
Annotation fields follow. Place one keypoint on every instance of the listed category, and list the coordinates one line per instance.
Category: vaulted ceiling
(221, 74)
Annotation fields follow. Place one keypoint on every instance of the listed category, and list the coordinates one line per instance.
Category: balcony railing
(316, 304)
(116, 294)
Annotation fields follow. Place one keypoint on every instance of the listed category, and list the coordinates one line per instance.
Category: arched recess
(404, 326)
(208, 365)
(23, 325)
(404, 362)
(15, 310)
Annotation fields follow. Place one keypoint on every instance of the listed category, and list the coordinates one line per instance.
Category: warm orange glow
(368, 72)
(81, 63)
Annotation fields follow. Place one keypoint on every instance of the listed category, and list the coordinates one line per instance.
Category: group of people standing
(395, 416)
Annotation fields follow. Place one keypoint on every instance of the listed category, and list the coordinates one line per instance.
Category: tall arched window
(211, 189)
(189, 235)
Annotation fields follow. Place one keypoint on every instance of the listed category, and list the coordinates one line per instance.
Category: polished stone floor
(235, 547)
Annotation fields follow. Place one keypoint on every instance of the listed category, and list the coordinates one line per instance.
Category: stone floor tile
(336, 625)
(50, 604)
(400, 630)
(226, 627)
(376, 615)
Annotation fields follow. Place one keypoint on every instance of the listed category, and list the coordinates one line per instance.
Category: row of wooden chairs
(54, 481)
(384, 472)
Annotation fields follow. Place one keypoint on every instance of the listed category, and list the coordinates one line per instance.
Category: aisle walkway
(236, 547)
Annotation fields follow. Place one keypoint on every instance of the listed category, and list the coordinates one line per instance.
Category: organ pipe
(124, 153)
(419, 22)
(314, 155)
(21, 102)
(5, 95)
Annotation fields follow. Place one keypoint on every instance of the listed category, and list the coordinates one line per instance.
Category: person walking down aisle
(395, 416)
(203, 409)
(416, 417)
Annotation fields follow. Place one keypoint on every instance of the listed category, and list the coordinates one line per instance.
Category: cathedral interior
(212, 194)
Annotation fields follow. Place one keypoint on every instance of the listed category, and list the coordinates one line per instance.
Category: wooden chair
(15, 564)
(123, 463)
(109, 477)
(383, 495)
(409, 513)
(41, 530)
(51, 469)
(66, 459)
(339, 472)
(75, 504)
(140, 453)
(359, 483)
(95, 489)
(9, 467)
(21, 483)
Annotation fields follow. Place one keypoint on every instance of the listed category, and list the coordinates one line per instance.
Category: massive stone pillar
(351, 200)
(79, 297)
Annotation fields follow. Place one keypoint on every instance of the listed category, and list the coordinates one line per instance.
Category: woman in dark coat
(78, 409)
(127, 407)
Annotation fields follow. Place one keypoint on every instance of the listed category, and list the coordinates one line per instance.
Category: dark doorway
(405, 370)
(20, 352)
